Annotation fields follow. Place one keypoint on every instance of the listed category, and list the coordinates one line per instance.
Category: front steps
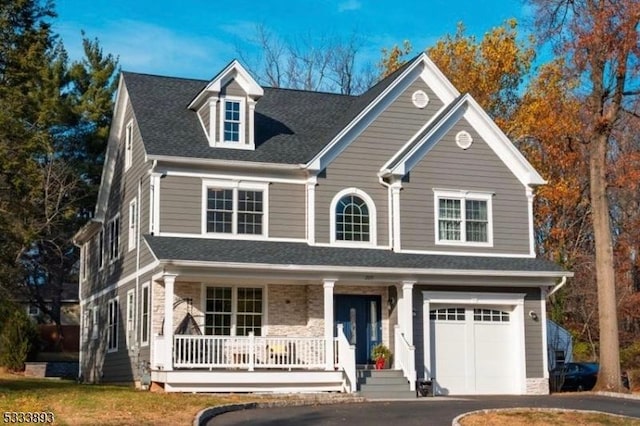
(383, 384)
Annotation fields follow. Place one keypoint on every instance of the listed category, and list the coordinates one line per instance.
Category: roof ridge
(144, 74)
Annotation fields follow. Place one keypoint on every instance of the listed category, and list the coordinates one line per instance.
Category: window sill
(464, 244)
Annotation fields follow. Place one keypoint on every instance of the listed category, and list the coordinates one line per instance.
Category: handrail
(347, 359)
(405, 356)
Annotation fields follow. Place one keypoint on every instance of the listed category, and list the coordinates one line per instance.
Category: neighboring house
(559, 345)
(252, 238)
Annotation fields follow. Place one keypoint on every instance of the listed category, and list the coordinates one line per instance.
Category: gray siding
(478, 168)
(287, 210)
(359, 164)
(181, 204)
(532, 329)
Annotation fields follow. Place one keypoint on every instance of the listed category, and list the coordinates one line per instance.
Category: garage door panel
(493, 358)
(448, 360)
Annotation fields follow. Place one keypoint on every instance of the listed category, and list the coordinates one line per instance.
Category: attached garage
(474, 343)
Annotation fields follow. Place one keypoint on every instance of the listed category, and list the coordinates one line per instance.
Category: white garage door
(473, 350)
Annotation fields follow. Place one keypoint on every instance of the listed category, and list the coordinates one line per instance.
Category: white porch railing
(248, 352)
(346, 359)
(405, 357)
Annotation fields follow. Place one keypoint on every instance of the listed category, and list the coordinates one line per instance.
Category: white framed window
(131, 312)
(91, 323)
(238, 209)
(353, 218)
(234, 311)
(133, 224)
(463, 218)
(33, 310)
(128, 145)
(144, 315)
(101, 249)
(232, 120)
(112, 325)
(84, 263)
(113, 228)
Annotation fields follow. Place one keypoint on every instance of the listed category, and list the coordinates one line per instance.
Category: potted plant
(380, 354)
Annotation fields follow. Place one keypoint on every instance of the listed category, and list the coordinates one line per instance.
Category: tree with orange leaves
(599, 39)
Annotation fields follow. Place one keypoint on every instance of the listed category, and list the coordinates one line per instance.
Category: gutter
(558, 286)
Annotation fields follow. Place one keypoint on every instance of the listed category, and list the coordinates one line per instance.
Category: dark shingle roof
(292, 126)
(287, 253)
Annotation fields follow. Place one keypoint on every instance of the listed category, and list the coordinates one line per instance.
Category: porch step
(383, 384)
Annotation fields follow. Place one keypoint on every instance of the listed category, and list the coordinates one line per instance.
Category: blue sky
(196, 38)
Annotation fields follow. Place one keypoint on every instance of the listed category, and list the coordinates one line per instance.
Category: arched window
(352, 219)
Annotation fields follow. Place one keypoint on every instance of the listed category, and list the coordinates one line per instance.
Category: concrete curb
(618, 395)
(209, 413)
(456, 421)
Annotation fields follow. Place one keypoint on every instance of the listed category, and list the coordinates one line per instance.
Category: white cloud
(149, 48)
(349, 5)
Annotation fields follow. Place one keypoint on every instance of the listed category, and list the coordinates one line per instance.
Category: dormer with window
(226, 108)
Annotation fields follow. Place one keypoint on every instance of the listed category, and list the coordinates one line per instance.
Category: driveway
(423, 411)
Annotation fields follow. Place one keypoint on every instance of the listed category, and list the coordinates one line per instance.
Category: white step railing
(248, 352)
(346, 359)
(405, 357)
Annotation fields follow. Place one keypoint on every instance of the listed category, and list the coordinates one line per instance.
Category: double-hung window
(463, 218)
(144, 315)
(235, 209)
(232, 121)
(128, 146)
(233, 311)
(112, 325)
(114, 238)
(131, 311)
(133, 224)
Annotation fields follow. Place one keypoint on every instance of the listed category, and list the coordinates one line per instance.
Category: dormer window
(232, 125)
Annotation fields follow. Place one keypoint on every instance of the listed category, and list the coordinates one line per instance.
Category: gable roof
(463, 107)
(287, 254)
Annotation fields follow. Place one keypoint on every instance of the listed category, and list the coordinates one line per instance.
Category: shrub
(630, 356)
(18, 340)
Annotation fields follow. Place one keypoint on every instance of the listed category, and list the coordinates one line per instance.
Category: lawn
(76, 404)
(546, 417)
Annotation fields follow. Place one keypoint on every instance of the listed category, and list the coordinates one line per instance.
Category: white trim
(463, 197)
(234, 304)
(466, 107)
(128, 145)
(234, 177)
(84, 261)
(532, 243)
(130, 326)
(369, 270)
(148, 324)
(228, 236)
(396, 225)
(474, 254)
(110, 238)
(516, 300)
(241, 142)
(225, 163)
(235, 186)
(133, 225)
(251, 117)
(233, 71)
(113, 328)
(373, 219)
(101, 247)
(120, 283)
(154, 204)
(310, 207)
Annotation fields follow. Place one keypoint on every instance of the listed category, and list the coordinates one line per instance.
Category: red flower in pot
(380, 354)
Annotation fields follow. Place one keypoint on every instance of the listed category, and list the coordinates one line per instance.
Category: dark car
(579, 376)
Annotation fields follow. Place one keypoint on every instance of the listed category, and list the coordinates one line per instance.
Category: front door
(362, 324)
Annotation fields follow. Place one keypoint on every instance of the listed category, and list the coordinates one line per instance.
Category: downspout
(558, 286)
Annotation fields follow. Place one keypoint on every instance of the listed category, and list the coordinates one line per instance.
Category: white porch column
(328, 323)
(169, 281)
(407, 310)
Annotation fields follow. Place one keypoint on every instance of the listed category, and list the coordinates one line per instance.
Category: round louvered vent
(464, 139)
(420, 99)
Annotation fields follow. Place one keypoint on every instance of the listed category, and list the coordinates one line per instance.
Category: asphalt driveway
(423, 411)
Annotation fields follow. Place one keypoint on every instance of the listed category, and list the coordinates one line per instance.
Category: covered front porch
(255, 336)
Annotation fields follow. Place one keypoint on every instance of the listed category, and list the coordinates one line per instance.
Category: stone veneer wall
(538, 386)
(182, 291)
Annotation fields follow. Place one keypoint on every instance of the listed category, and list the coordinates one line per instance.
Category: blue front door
(362, 324)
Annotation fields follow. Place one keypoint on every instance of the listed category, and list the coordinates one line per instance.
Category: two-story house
(253, 238)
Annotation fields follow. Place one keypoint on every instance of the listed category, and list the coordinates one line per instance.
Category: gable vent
(420, 99)
(464, 139)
